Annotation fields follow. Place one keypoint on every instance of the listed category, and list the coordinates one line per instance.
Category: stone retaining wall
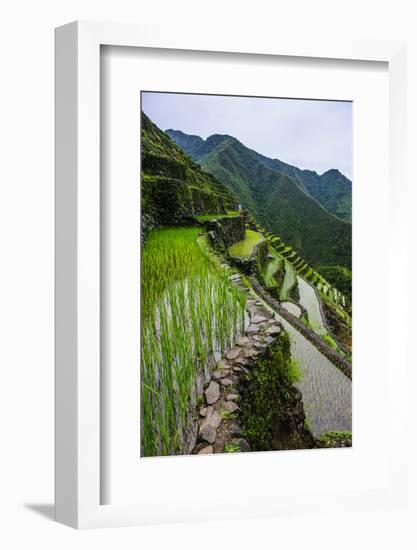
(248, 266)
(219, 425)
(251, 265)
(225, 231)
(261, 251)
(147, 224)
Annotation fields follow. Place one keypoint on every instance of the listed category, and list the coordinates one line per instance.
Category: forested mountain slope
(331, 189)
(272, 192)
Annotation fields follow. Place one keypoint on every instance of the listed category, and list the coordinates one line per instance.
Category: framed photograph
(226, 208)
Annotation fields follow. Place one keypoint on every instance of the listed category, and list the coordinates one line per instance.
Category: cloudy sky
(309, 134)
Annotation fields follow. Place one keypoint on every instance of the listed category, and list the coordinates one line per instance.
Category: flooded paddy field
(327, 392)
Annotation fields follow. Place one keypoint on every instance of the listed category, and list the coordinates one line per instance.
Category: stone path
(326, 391)
(219, 425)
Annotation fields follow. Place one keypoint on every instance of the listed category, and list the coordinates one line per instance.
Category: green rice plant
(190, 310)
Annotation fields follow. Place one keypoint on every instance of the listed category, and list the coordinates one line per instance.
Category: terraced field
(245, 248)
(329, 294)
(190, 313)
(309, 300)
(208, 217)
(290, 280)
(271, 269)
(327, 392)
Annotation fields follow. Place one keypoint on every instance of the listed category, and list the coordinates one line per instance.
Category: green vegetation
(326, 391)
(288, 287)
(245, 248)
(208, 217)
(289, 202)
(290, 282)
(293, 371)
(264, 414)
(333, 191)
(272, 268)
(338, 276)
(327, 294)
(171, 255)
(232, 448)
(281, 197)
(330, 341)
(335, 439)
(335, 299)
(227, 415)
(308, 424)
(189, 310)
(191, 144)
(173, 187)
(305, 321)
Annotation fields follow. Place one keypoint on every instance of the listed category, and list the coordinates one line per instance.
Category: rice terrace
(246, 316)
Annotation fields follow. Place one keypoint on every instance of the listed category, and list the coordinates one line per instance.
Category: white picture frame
(78, 406)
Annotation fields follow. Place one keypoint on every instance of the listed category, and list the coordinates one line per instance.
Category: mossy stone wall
(226, 231)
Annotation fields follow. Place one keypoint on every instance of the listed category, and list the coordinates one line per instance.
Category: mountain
(174, 187)
(277, 195)
(331, 189)
(190, 143)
